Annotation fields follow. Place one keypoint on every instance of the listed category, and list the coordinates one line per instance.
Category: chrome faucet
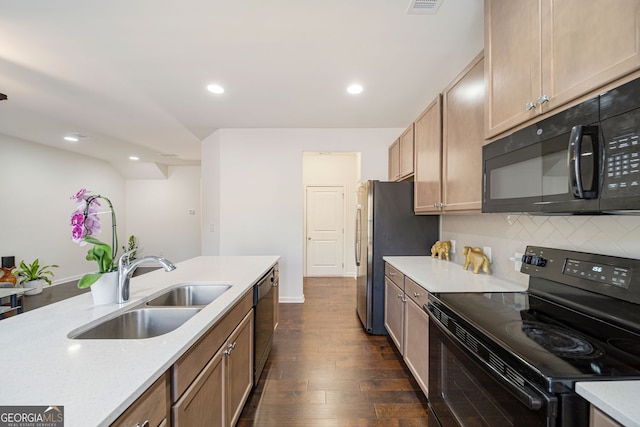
(126, 269)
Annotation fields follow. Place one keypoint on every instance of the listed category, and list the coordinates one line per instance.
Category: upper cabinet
(428, 163)
(448, 145)
(543, 54)
(401, 156)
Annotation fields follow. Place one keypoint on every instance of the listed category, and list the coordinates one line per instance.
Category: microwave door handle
(575, 158)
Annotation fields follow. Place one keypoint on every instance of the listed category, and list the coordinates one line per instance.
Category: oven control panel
(598, 272)
(603, 274)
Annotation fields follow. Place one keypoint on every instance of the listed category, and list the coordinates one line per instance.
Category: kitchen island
(97, 380)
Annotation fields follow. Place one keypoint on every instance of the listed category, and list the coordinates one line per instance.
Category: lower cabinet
(212, 381)
(394, 312)
(203, 403)
(238, 369)
(416, 333)
(408, 324)
(600, 419)
(149, 410)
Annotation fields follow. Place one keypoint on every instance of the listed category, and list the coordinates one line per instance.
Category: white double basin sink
(157, 316)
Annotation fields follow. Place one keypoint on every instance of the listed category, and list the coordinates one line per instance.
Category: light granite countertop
(96, 380)
(446, 276)
(618, 399)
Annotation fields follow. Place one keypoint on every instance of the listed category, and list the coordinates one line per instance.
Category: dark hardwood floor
(324, 370)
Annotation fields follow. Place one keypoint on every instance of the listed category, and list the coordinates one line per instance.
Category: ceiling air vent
(429, 7)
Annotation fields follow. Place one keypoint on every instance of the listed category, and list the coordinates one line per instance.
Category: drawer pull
(144, 424)
(416, 295)
(229, 349)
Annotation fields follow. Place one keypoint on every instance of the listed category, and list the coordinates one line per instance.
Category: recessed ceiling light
(217, 89)
(73, 137)
(134, 158)
(355, 89)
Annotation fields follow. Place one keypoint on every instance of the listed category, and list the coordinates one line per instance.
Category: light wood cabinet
(462, 140)
(212, 380)
(394, 160)
(416, 333)
(448, 145)
(542, 55)
(238, 368)
(600, 419)
(151, 408)
(428, 159)
(401, 156)
(407, 322)
(203, 403)
(394, 312)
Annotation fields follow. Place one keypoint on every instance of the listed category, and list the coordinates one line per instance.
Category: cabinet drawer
(415, 292)
(152, 406)
(394, 274)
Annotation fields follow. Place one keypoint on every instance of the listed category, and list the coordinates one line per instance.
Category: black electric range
(578, 321)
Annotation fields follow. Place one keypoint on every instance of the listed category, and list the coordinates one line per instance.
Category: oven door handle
(528, 398)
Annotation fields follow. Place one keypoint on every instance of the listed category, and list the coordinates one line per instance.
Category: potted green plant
(132, 247)
(33, 275)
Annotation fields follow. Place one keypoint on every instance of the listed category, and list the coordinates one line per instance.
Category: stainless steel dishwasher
(264, 301)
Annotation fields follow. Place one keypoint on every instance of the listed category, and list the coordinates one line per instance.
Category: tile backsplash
(617, 235)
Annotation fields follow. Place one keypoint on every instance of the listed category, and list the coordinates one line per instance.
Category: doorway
(330, 184)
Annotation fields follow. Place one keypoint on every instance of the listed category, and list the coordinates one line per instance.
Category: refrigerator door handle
(358, 234)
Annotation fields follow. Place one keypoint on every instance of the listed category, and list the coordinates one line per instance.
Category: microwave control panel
(622, 165)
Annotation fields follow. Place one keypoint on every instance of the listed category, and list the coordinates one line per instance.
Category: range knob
(526, 259)
(538, 261)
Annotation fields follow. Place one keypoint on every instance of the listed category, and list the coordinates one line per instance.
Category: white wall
(259, 190)
(337, 169)
(165, 215)
(35, 211)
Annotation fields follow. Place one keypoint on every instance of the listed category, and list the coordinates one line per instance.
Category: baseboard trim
(291, 300)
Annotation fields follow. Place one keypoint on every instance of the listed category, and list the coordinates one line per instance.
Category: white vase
(105, 289)
(34, 286)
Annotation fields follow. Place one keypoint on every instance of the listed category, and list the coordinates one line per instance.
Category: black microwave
(584, 160)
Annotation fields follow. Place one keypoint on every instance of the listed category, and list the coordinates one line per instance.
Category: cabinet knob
(543, 99)
(399, 295)
(530, 105)
(416, 295)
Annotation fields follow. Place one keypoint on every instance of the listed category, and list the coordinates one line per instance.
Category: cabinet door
(152, 407)
(600, 419)
(416, 343)
(462, 139)
(394, 312)
(512, 61)
(406, 152)
(394, 161)
(203, 402)
(428, 159)
(239, 368)
(586, 45)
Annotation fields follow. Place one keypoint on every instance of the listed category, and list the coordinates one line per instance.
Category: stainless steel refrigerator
(386, 226)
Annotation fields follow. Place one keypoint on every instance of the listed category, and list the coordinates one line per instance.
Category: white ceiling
(130, 75)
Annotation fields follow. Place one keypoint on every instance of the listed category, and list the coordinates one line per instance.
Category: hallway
(324, 370)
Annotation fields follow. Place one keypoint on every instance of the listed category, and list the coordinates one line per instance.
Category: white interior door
(325, 231)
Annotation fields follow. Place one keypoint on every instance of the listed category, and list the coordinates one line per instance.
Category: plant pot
(34, 286)
(105, 290)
